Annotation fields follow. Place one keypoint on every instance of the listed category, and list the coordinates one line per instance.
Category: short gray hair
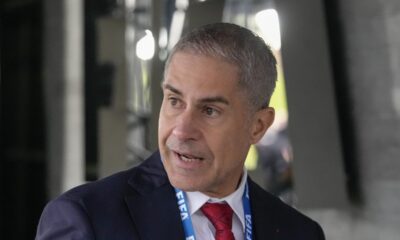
(241, 47)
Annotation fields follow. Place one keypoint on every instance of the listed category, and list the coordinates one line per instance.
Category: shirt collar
(197, 199)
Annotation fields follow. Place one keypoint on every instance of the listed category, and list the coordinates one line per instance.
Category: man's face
(204, 127)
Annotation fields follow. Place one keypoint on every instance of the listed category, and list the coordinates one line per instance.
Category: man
(217, 84)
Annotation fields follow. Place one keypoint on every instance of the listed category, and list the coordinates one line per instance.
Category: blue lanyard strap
(248, 229)
(187, 221)
(185, 215)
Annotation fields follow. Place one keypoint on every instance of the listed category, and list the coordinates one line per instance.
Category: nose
(186, 126)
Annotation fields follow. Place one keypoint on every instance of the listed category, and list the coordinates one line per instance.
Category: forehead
(201, 72)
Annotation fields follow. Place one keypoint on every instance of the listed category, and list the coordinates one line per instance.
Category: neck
(226, 190)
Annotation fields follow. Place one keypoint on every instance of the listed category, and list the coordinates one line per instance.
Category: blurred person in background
(275, 156)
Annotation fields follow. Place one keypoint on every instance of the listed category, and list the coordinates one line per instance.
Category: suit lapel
(156, 215)
(153, 209)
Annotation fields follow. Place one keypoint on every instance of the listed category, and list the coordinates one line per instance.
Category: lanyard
(187, 220)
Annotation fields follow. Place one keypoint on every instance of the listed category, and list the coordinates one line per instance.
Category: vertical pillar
(313, 121)
(73, 164)
(156, 75)
(63, 80)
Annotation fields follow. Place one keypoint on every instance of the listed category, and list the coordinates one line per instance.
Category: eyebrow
(215, 99)
(172, 89)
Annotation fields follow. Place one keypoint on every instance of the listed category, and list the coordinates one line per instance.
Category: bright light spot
(181, 4)
(178, 20)
(163, 38)
(130, 4)
(268, 23)
(145, 46)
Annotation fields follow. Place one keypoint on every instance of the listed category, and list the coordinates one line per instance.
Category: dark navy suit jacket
(140, 203)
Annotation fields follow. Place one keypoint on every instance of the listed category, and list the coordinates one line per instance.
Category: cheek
(225, 143)
(233, 142)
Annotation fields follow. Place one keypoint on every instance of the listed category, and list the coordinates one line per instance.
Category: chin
(184, 184)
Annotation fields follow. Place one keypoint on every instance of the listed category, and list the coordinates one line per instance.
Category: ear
(262, 120)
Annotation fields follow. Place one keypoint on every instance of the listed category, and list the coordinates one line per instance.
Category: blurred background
(80, 94)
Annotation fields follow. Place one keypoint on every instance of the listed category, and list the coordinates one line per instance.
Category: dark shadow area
(22, 119)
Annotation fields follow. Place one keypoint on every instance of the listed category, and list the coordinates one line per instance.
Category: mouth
(185, 157)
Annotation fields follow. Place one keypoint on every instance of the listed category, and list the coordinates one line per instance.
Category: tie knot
(220, 215)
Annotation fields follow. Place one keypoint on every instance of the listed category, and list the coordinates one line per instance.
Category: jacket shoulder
(120, 184)
(280, 218)
(98, 210)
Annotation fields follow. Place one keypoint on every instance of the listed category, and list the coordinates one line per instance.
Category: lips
(188, 157)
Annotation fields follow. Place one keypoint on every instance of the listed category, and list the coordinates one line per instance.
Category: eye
(210, 111)
(174, 102)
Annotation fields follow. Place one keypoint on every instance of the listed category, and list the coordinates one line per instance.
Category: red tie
(220, 215)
